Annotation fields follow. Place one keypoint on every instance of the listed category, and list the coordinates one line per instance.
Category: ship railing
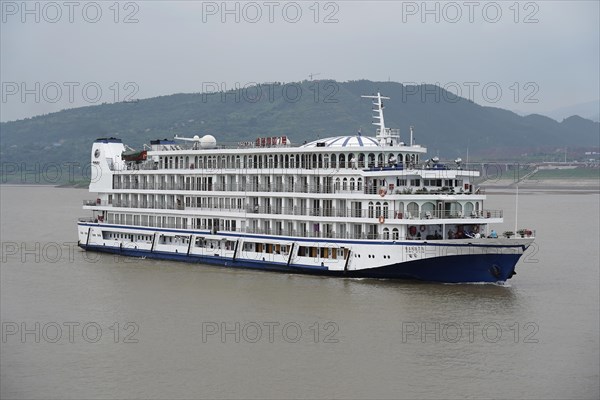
(320, 234)
(96, 202)
(436, 214)
(301, 167)
(298, 188)
(135, 166)
(370, 213)
(139, 166)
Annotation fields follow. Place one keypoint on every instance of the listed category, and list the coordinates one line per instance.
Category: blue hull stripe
(451, 269)
(447, 269)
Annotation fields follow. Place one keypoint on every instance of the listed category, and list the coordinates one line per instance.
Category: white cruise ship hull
(449, 261)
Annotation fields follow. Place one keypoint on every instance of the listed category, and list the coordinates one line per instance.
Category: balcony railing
(300, 188)
(96, 202)
(369, 213)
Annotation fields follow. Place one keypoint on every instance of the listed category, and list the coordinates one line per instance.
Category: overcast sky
(51, 51)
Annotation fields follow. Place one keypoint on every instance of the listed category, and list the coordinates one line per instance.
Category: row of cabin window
(322, 252)
(268, 248)
(128, 236)
(304, 161)
(206, 183)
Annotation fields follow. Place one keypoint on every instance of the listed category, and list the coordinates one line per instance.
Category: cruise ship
(345, 206)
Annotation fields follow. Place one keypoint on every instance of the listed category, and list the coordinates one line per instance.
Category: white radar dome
(208, 142)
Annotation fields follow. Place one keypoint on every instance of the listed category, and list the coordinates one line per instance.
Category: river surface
(83, 325)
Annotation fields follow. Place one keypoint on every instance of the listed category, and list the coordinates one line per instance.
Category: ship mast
(385, 135)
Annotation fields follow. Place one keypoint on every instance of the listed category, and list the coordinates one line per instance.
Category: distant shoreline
(41, 185)
(580, 185)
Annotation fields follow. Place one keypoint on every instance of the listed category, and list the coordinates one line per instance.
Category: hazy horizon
(530, 57)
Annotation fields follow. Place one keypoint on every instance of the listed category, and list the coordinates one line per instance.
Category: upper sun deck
(387, 140)
(341, 144)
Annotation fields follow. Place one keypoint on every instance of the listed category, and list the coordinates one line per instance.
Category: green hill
(303, 111)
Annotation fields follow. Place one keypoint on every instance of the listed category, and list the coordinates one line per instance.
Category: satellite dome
(196, 137)
(208, 142)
